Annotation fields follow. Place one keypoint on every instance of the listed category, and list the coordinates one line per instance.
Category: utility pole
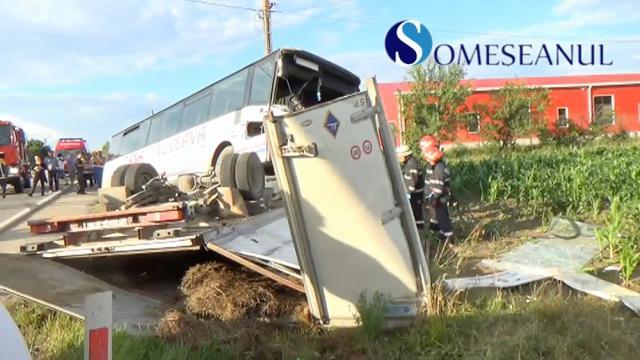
(265, 15)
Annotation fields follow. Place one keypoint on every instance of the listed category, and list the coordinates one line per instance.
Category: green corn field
(599, 183)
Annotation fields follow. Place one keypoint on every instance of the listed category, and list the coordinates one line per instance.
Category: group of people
(428, 189)
(84, 168)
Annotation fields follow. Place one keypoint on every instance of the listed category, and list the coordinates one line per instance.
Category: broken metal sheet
(502, 279)
(125, 247)
(601, 288)
(561, 255)
(266, 237)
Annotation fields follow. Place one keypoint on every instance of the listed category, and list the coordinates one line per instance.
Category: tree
(37, 147)
(436, 102)
(105, 148)
(514, 111)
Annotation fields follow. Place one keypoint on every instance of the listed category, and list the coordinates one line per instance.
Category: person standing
(38, 175)
(98, 167)
(52, 172)
(79, 167)
(71, 167)
(87, 160)
(438, 183)
(61, 174)
(413, 181)
(4, 171)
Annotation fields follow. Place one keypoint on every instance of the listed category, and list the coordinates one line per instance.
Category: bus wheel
(117, 178)
(218, 159)
(138, 175)
(250, 176)
(226, 172)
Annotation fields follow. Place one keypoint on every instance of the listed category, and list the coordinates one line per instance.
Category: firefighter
(428, 141)
(4, 172)
(38, 175)
(413, 181)
(438, 182)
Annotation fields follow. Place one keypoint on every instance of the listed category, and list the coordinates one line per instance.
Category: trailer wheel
(138, 175)
(250, 176)
(227, 172)
(117, 178)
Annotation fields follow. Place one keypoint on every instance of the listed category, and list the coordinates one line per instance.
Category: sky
(91, 68)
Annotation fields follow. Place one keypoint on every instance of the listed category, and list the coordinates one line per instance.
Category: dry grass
(218, 291)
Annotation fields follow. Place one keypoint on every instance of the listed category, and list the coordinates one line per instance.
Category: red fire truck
(70, 146)
(13, 143)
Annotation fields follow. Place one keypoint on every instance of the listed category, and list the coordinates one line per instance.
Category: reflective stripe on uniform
(413, 171)
(436, 190)
(411, 188)
(433, 221)
(408, 177)
(435, 181)
(420, 222)
(419, 190)
(448, 233)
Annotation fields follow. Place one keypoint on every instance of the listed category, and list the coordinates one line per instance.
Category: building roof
(548, 81)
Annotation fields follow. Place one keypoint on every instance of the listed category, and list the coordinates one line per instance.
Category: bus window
(165, 124)
(195, 112)
(134, 138)
(228, 95)
(263, 73)
(114, 146)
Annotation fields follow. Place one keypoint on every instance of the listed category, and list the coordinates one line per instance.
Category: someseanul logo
(408, 42)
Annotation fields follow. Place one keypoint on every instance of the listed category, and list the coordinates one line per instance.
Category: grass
(547, 321)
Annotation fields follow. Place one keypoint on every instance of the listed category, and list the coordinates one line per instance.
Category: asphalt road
(13, 203)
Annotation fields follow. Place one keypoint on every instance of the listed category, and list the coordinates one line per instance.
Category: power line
(211, 3)
(303, 13)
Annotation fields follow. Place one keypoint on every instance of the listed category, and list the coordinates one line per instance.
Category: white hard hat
(403, 150)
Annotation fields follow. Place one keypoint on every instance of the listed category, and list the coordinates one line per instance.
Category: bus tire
(117, 178)
(227, 172)
(250, 176)
(218, 159)
(138, 175)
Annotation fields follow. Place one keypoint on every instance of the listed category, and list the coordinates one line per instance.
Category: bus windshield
(5, 135)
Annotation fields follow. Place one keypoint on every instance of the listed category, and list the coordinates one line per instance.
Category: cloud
(34, 129)
(95, 118)
(70, 41)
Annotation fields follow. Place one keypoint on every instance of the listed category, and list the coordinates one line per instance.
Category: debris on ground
(218, 291)
(561, 254)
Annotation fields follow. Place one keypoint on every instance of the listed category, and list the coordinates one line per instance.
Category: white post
(98, 326)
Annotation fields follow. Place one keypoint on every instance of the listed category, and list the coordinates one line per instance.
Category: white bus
(221, 125)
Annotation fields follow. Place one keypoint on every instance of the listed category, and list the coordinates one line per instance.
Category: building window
(562, 119)
(604, 109)
(473, 123)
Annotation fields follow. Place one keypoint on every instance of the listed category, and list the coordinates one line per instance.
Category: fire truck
(70, 147)
(13, 143)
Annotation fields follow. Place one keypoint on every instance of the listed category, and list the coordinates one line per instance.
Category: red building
(582, 99)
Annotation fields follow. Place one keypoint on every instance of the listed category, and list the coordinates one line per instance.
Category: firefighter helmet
(428, 141)
(432, 154)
